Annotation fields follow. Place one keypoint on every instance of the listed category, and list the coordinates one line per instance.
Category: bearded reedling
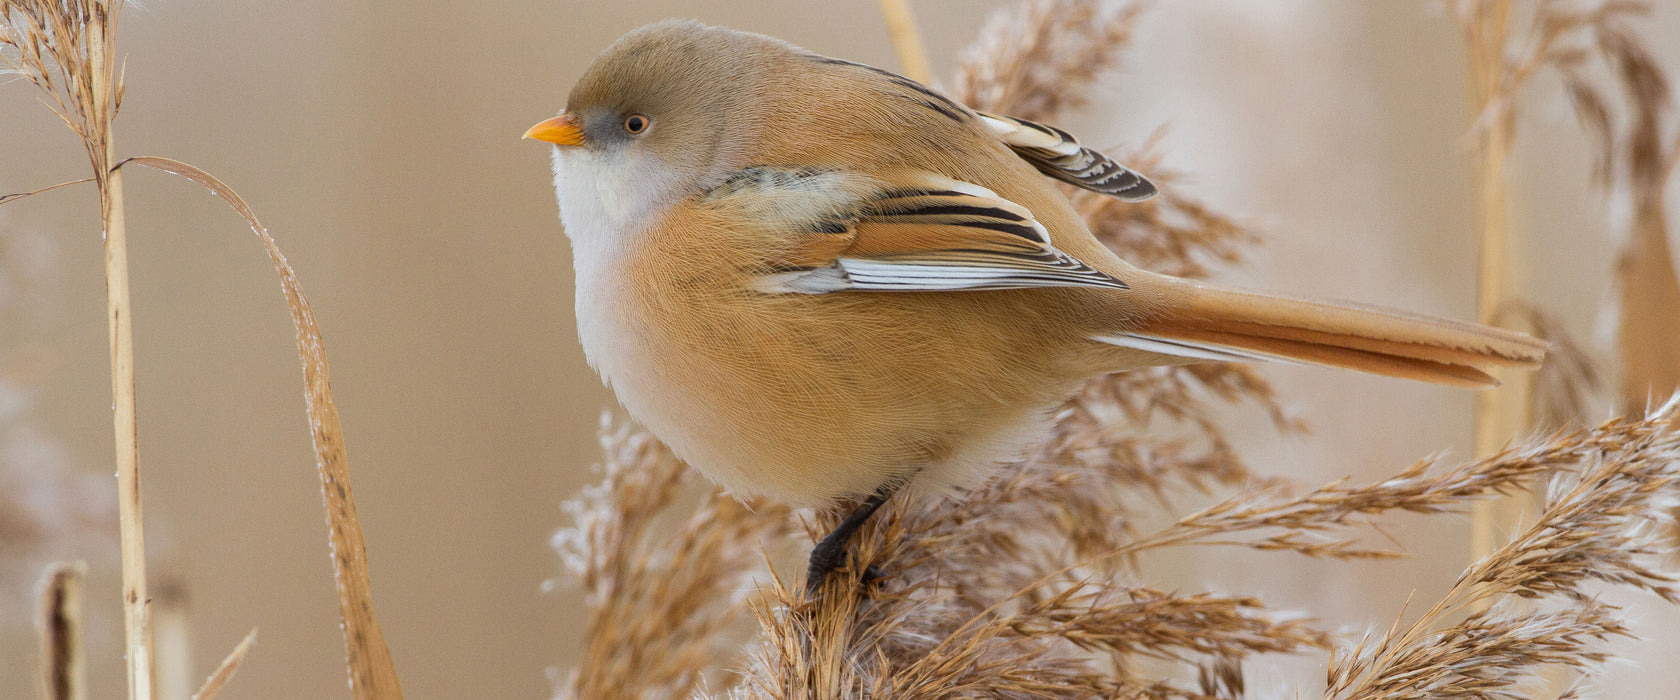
(818, 280)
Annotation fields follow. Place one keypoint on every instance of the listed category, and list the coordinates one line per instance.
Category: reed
(66, 48)
(1636, 148)
(1499, 414)
(906, 41)
(59, 664)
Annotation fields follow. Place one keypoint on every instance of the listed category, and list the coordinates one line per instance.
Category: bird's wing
(1058, 154)
(915, 232)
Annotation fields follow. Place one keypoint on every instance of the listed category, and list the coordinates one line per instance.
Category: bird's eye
(636, 123)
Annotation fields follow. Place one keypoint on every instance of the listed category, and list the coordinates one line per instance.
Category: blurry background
(379, 142)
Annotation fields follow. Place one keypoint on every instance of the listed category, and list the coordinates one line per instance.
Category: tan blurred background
(379, 142)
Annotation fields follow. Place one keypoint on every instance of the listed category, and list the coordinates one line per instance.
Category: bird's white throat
(606, 200)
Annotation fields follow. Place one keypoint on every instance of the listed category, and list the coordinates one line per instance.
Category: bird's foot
(831, 551)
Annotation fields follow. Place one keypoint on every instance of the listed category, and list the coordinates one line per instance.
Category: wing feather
(1058, 154)
(918, 232)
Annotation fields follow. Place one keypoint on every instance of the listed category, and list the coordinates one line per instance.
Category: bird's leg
(832, 549)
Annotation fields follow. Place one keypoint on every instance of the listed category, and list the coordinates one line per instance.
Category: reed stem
(906, 41)
(62, 671)
(137, 628)
(1498, 414)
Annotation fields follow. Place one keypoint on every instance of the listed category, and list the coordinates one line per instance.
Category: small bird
(817, 280)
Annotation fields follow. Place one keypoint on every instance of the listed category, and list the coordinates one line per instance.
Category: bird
(825, 283)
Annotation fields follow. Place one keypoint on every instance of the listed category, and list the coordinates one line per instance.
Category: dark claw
(872, 575)
(828, 553)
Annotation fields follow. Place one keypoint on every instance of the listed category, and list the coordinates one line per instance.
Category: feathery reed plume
(980, 593)
(1037, 60)
(1636, 157)
(661, 604)
(60, 673)
(65, 48)
(1597, 527)
(1569, 386)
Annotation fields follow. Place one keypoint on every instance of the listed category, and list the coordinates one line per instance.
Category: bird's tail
(1213, 323)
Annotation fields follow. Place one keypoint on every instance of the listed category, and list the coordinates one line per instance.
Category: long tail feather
(1219, 323)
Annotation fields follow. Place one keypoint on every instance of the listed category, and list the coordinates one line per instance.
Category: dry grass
(1040, 59)
(1011, 592)
(1624, 102)
(373, 674)
(1601, 524)
(661, 602)
(66, 49)
(1595, 54)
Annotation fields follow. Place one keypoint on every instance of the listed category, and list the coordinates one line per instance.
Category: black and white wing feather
(1058, 154)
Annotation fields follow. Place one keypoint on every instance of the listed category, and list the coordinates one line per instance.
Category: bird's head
(664, 111)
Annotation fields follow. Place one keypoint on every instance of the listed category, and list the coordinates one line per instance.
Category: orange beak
(560, 131)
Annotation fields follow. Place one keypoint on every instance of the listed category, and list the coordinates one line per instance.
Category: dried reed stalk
(64, 47)
(1501, 413)
(60, 672)
(224, 671)
(172, 632)
(373, 674)
(906, 41)
(76, 40)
